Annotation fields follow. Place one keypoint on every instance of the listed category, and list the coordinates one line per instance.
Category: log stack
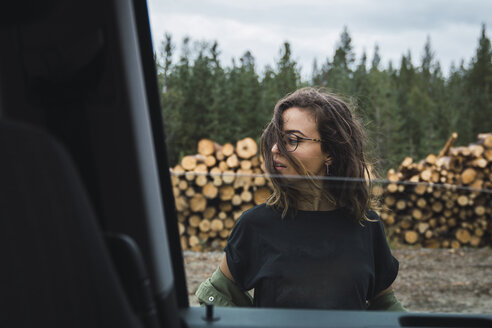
(444, 200)
(213, 188)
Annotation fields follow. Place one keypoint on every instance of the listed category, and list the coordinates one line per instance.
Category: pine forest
(407, 110)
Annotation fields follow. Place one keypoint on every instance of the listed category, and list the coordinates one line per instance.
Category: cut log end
(246, 148)
(206, 147)
(227, 149)
(468, 176)
(411, 237)
(463, 236)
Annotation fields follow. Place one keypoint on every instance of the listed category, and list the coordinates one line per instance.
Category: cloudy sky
(313, 27)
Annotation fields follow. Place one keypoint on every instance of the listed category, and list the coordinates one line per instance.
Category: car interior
(88, 228)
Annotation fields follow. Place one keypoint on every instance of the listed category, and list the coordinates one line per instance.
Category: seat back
(56, 270)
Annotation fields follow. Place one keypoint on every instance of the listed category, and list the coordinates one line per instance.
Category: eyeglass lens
(291, 141)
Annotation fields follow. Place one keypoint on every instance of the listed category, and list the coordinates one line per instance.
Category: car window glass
(418, 78)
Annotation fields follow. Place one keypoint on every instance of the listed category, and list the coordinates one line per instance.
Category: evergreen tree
(376, 59)
(405, 81)
(360, 82)
(316, 74)
(246, 97)
(164, 65)
(337, 74)
(429, 107)
(344, 55)
(200, 115)
(409, 111)
(456, 102)
(382, 116)
(269, 95)
(219, 108)
(287, 74)
(479, 87)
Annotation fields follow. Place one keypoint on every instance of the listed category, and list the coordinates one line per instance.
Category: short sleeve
(385, 264)
(241, 252)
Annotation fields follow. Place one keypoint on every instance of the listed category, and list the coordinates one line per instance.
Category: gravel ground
(430, 280)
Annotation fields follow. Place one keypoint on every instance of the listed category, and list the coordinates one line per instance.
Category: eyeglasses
(291, 141)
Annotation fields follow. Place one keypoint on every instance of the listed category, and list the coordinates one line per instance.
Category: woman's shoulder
(259, 214)
(372, 215)
(375, 225)
(258, 211)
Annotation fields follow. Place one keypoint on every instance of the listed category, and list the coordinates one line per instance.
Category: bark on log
(476, 150)
(448, 144)
(431, 159)
(486, 139)
(181, 228)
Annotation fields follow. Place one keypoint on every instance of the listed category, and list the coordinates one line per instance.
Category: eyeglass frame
(298, 138)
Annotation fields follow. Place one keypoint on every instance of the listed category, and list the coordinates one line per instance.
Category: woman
(314, 243)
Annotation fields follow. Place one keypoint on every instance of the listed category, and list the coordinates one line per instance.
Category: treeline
(408, 110)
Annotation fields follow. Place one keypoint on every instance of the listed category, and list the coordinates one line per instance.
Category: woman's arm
(225, 268)
(221, 290)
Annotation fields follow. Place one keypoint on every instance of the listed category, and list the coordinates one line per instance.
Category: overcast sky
(313, 27)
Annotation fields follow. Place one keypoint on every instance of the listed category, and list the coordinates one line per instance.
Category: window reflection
(428, 145)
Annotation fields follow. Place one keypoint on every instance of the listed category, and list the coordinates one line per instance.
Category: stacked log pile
(444, 200)
(213, 188)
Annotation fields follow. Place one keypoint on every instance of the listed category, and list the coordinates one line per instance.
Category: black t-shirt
(318, 260)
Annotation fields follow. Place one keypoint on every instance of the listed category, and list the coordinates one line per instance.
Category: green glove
(386, 302)
(221, 291)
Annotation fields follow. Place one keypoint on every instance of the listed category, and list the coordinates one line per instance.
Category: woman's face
(301, 122)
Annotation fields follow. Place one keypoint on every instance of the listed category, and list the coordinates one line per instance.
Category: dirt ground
(429, 280)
